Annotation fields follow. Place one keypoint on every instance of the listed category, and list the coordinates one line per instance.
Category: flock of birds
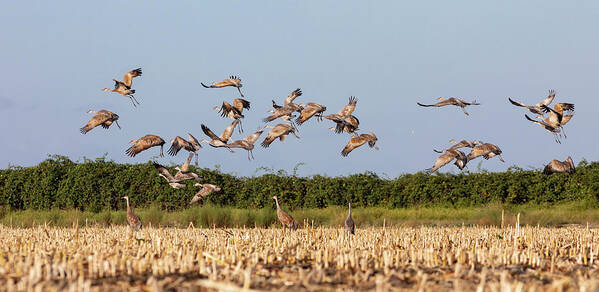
(344, 122)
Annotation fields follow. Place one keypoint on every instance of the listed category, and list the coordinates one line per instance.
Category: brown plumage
(345, 112)
(556, 166)
(191, 144)
(309, 110)
(357, 141)
(231, 81)
(284, 218)
(554, 129)
(464, 143)
(132, 218)
(285, 113)
(486, 150)
(536, 109)
(451, 101)
(206, 190)
(446, 157)
(350, 226)
(247, 143)
(349, 125)
(102, 118)
(290, 98)
(280, 131)
(182, 174)
(124, 87)
(224, 137)
(234, 111)
(556, 117)
(144, 143)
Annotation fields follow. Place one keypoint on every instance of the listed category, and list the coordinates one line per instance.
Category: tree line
(96, 185)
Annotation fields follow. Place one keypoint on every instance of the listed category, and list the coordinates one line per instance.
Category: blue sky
(57, 56)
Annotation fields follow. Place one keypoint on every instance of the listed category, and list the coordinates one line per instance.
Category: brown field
(321, 259)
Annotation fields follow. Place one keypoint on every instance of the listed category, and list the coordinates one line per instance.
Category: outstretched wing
(240, 104)
(349, 108)
(353, 143)
(163, 172)
(128, 77)
(209, 133)
(548, 100)
(226, 135)
(294, 94)
(95, 121)
(176, 146)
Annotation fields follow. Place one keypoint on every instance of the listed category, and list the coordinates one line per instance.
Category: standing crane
(451, 101)
(132, 218)
(284, 218)
(102, 118)
(233, 81)
(144, 143)
(124, 87)
(350, 226)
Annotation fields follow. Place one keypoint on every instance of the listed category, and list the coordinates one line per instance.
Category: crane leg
(131, 98)
(239, 89)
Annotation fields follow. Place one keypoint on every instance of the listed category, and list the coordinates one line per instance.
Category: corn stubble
(385, 259)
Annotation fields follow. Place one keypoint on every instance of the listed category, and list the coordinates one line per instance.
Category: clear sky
(56, 56)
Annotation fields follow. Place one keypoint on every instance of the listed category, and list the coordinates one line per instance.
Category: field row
(430, 258)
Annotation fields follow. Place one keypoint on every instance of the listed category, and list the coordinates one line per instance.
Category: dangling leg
(196, 159)
(240, 129)
(464, 109)
(131, 98)
(239, 89)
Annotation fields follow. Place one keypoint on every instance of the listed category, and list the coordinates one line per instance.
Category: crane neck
(277, 201)
(128, 208)
(349, 211)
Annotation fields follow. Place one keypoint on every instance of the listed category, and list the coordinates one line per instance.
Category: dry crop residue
(394, 258)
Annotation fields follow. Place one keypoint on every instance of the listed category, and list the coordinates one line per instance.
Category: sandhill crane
(132, 218)
(144, 143)
(206, 190)
(446, 157)
(536, 109)
(234, 111)
(175, 181)
(309, 110)
(231, 81)
(357, 141)
(555, 129)
(349, 125)
(284, 218)
(280, 131)
(102, 118)
(224, 137)
(191, 145)
(345, 112)
(124, 87)
(248, 142)
(556, 166)
(290, 98)
(285, 113)
(486, 150)
(451, 101)
(350, 226)
(556, 117)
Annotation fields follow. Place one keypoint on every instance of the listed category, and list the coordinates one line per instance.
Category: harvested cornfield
(385, 259)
